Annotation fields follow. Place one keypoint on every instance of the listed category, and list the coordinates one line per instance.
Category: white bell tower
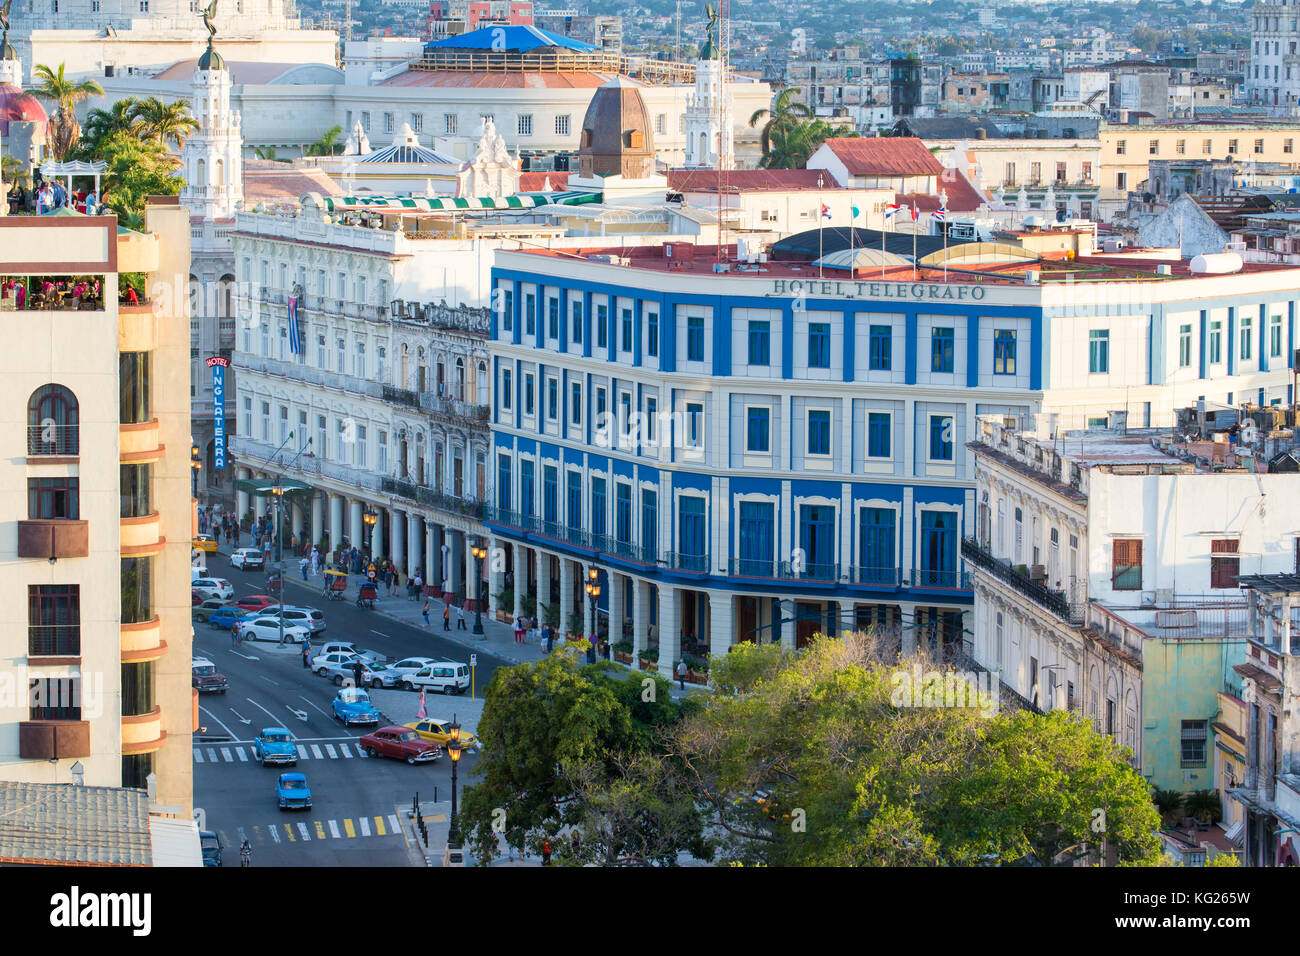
(212, 156)
(709, 136)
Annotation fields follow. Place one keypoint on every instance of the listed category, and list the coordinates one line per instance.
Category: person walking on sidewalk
(425, 612)
(681, 674)
(519, 630)
(306, 653)
(460, 617)
(417, 586)
(446, 617)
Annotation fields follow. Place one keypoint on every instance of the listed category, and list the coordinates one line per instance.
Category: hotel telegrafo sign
(916, 291)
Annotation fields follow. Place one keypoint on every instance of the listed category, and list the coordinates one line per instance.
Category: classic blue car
(226, 617)
(292, 792)
(352, 706)
(210, 846)
(275, 745)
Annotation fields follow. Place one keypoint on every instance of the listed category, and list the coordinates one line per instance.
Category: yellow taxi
(435, 729)
(204, 542)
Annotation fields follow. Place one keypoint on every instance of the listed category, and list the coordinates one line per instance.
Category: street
(357, 817)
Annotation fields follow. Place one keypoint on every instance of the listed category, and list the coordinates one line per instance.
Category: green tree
(164, 122)
(65, 94)
(327, 145)
(785, 114)
(101, 124)
(1203, 805)
(136, 169)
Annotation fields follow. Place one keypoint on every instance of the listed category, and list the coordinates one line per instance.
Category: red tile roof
(535, 182)
(962, 195)
(270, 181)
(746, 180)
(884, 156)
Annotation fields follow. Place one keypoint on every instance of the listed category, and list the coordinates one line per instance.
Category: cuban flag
(295, 327)
(939, 213)
(892, 208)
(826, 211)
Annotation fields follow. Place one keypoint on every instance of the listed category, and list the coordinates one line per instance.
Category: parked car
(224, 618)
(352, 706)
(205, 609)
(218, 588)
(446, 677)
(196, 598)
(341, 667)
(307, 617)
(401, 743)
(206, 678)
(261, 628)
(210, 845)
(435, 729)
(292, 792)
(255, 602)
(204, 542)
(247, 559)
(275, 745)
(345, 647)
(408, 666)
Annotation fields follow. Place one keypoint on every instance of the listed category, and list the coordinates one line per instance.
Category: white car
(342, 667)
(445, 677)
(409, 665)
(307, 617)
(218, 588)
(263, 628)
(350, 649)
(248, 559)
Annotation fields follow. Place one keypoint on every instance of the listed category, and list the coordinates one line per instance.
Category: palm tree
(65, 94)
(1203, 805)
(161, 121)
(1167, 803)
(785, 114)
(102, 124)
(327, 145)
(266, 152)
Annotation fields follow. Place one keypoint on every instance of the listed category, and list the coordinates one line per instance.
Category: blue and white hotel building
(765, 453)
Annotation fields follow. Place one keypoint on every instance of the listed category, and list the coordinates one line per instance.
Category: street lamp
(369, 518)
(195, 465)
(454, 752)
(593, 592)
(479, 552)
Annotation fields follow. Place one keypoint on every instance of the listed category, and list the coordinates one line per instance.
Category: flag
(915, 214)
(856, 211)
(295, 328)
(891, 209)
(938, 214)
(826, 211)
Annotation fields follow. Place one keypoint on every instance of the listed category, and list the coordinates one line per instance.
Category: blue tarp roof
(511, 39)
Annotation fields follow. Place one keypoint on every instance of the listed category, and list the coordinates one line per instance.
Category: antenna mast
(722, 113)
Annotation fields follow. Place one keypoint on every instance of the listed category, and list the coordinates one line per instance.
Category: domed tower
(212, 156)
(709, 136)
(24, 124)
(617, 138)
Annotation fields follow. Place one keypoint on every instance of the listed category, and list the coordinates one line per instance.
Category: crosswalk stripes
(198, 755)
(315, 752)
(243, 757)
(225, 754)
(329, 749)
(302, 830)
(212, 755)
(243, 754)
(275, 834)
(334, 830)
(365, 826)
(347, 828)
(302, 752)
(343, 748)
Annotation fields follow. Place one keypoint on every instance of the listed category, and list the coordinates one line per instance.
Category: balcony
(931, 578)
(140, 443)
(141, 536)
(423, 494)
(1045, 597)
(301, 372)
(143, 734)
(401, 396)
(688, 563)
(53, 739)
(137, 328)
(48, 443)
(450, 408)
(53, 538)
(142, 641)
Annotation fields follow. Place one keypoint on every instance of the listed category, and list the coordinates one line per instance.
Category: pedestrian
(460, 617)
(546, 853)
(681, 674)
(234, 634)
(425, 612)
(357, 670)
(306, 653)
(302, 566)
(446, 617)
(422, 713)
(577, 844)
(417, 586)
(550, 638)
(519, 629)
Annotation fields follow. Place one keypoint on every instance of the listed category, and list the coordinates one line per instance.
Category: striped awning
(453, 203)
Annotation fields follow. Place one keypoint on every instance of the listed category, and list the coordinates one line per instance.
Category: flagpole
(943, 226)
(916, 273)
(821, 219)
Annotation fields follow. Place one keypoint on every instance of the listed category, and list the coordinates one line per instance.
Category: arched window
(52, 422)
(460, 379)
(219, 173)
(482, 383)
(201, 173)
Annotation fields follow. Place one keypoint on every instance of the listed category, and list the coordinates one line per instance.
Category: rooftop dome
(17, 106)
(616, 134)
(210, 60)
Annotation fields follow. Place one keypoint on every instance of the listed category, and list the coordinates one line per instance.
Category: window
(598, 506)
(602, 334)
(528, 394)
(695, 338)
(552, 399)
(134, 485)
(1247, 327)
(1259, 146)
(938, 549)
(1195, 734)
(52, 422)
(756, 429)
(530, 315)
(1224, 563)
(322, 445)
(878, 432)
(1275, 336)
(879, 349)
(941, 438)
(1207, 147)
(941, 350)
(417, 122)
(819, 345)
(819, 432)
(133, 388)
(449, 123)
(757, 537)
(691, 535)
(1180, 147)
(562, 125)
(381, 453)
(503, 482)
(649, 520)
(507, 310)
(1004, 352)
(1099, 351)
(53, 620)
(322, 357)
(1126, 564)
(1121, 147)
(1232, 147)
(550, 494)
(694, 424)
(525, 125)
(760, 343)
(388, 122)
(1035, 172)
(55, 698)
(1121, 181)
(573, 504)
(552, 318)
(661, 123)
(1184, 346)
(876, 537)
(526, 500)
(365, 120)
(575, 403)
(577, 323)
(651, 413)
(652, 334)
(1153, 148)
(626, 328)
(1288, 145)
(506, 391)
(1010, 177)
(1216, 342)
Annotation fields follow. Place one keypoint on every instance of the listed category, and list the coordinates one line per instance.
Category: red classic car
(254, 602)
(400, 742)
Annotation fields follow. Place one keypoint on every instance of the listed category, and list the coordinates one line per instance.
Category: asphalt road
(357, 816)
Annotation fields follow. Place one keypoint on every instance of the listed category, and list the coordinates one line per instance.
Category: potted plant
(573, 626)
(649, 659)
(506, 605)
(1167, 803)
(623, 652)
(529, 604)
(697, 669)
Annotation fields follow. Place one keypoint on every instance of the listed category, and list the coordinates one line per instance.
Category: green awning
(262, 487)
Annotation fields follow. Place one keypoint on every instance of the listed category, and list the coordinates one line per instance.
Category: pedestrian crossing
(235, 753)
(307, 831)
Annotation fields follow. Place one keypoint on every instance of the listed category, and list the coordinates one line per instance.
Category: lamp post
(593, 592)
(479, 552)
(195, 465)
(454, 752)
(369, 518)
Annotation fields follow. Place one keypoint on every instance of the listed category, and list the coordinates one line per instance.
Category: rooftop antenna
(347, 21)
(677, 43)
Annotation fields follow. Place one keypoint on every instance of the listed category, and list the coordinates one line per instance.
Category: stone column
(787, 623)
(566, 595)
(640, 616)
(473, 590)
(259, 507)
(399, 540)
(520, 565)
(412, 542)
(454, 551)
(615, 582)
(377, 535)
(241, 497)
(297, 519)
(847, 617)
(336, 522)
(317, 517)
(355, 525)
(544, 583)
(720, 624)
(496, 574)
(670, 629)
(431, 559)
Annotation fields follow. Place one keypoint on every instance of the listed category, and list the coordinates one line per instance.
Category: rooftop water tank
(1215, 263)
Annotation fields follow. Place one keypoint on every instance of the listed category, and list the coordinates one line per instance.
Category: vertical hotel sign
(218, 366)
